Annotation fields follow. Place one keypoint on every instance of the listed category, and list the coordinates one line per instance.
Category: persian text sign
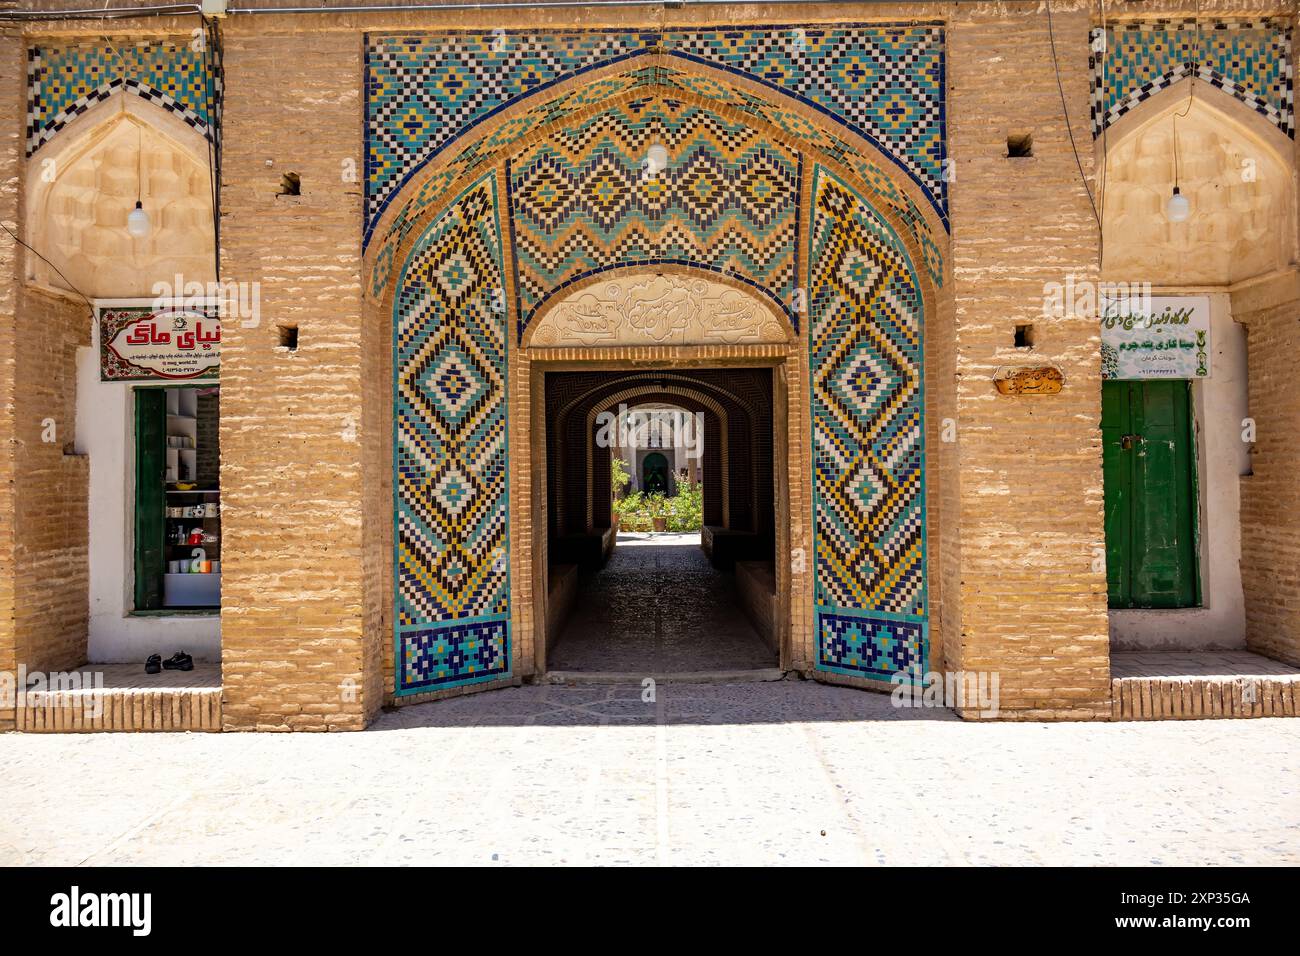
(1155, 337)
(142, 343)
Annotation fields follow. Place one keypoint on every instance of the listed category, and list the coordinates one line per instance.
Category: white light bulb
(138, 224)
(1178, 208)
(656, 158)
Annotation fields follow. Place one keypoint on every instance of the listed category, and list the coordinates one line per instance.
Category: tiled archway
(740, 200)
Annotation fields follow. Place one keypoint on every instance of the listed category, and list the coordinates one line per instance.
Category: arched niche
(84, 183)
(1232, 169)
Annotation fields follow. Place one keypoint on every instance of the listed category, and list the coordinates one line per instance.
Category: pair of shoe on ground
(180, 661)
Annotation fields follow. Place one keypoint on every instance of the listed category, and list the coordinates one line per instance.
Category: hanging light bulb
(137, 223)
(1178, 208)
(656, 158)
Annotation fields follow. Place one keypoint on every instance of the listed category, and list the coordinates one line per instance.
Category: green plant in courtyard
(632, 513)
(656, 504)
(686, 509)
(619, 477)
(683, 512)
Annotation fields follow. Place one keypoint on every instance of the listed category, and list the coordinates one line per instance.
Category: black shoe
(153, 665)
(180, 661)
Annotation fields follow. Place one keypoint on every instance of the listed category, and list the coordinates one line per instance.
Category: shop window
(177, 498)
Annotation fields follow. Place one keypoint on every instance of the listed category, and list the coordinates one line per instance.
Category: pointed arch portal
(796, 220)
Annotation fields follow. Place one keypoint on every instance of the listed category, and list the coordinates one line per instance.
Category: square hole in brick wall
(1020, 145)
(1025, 336)
(288, 337)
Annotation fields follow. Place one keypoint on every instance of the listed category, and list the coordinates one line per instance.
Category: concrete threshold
(747, 676)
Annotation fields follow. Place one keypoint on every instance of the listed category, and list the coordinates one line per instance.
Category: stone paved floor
(659, 607)
(133, 677)
(1198, 664)
(787, 772)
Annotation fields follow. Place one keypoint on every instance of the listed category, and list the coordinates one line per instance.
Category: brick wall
(51, 487)
(293, 574)
(1015, 503)
(12, 108)
(43, 541)
(1032, 607)
(1270, 496)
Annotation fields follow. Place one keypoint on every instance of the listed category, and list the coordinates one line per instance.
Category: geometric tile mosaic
(581, 201)
(66, 78)
(865, 361)
(450, 452)
(1249, 60)
(553, 109)
(884, 82)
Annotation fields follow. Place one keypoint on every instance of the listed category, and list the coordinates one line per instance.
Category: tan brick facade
(1270, 500)
(292, 430)
(1015, 518)
(1018, 224)
(11, 161)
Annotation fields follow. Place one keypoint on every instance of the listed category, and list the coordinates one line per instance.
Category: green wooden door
(1149, 472)
(150, 500)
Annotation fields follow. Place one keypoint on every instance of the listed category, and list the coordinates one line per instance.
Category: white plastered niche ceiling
(1231, 170)
(1241, 227)
(84, 183)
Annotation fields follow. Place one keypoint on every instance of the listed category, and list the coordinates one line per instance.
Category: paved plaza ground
(784, 772)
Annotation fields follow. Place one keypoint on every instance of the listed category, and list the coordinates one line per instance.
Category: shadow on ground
(790, 701)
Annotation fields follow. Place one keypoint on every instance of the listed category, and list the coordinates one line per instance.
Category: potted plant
(658, 511)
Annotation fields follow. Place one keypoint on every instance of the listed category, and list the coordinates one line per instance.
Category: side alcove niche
(84, 183)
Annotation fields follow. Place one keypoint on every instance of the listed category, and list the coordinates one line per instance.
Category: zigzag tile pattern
(450, 433)
(580, 100)
(868, 440)
(582, 201)
(66, 79)
(1249, 60)
(882, 81)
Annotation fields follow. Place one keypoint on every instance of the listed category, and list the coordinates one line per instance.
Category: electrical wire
(211, 61)
(1191, 89)
(1051, 36)
(33, 251)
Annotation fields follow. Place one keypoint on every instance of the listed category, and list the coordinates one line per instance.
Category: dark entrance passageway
(661, 539)
(659, 607)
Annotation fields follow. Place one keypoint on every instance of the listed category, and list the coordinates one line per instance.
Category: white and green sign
(1146, 337)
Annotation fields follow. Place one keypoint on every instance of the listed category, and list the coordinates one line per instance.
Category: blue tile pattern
(1249, 60)
(579, 100)
(450, 452)
(882, 81)
(582, 203)
(64, 79)
(868, 439)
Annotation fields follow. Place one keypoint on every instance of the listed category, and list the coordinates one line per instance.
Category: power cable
(1051, 35)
